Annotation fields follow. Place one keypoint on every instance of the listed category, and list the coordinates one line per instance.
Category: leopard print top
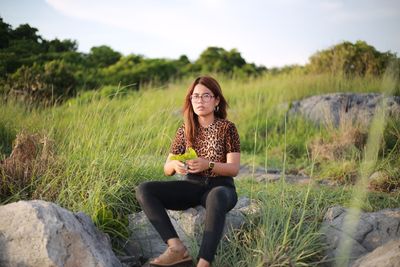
(213, 142)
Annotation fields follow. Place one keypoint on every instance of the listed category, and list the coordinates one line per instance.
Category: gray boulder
(39, 233)
(263, 175)
(332, 109)
(373, 230)
(387, 255)
(146, 242)
(192, 220)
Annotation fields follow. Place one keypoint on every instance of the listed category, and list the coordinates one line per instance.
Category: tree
(26, 32)
(350, 59)
(51, 83)
(217, 59)
(59, 46)
(59, 77)
(24, 46)
(212, 60)
(5, 34)
(135, 70)
(103, 56)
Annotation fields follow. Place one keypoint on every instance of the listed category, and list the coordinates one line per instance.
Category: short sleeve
(232, 139)
(178, 146)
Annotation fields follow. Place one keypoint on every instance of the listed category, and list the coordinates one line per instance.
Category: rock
(332, 109)
(192, 220)
(144, 241)
(188, 224)
(373, 230)
(288, 178)
(271, 175)
(39, 233)
(387, 255)
(247, 170)
(130, 261)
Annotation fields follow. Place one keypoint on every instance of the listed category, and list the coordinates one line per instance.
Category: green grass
(105, 146)
(287, 232)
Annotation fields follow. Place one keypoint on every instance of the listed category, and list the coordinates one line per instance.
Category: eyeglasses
(205, 97)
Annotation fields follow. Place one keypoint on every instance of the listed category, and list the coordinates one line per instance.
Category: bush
(351, 59)
(48, 84)
(30, 158)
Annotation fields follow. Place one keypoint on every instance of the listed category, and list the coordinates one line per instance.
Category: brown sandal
(171, 257)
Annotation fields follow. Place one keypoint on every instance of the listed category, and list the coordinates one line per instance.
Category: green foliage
(5, 34)
(18, 46)
(103, 66)
(26, 32)
(58, 46)
(53, 82)
(287, 232)
(103, 56)
(287, 69)
(351, 59)
(105, 146)
(135, 70)
(218, 60)
(23, 46)
(189, 154)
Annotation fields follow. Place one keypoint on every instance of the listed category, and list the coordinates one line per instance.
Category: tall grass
(366, 168)
(107, 144)
(287, 231)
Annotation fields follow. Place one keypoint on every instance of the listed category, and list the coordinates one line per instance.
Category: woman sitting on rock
(208, 178)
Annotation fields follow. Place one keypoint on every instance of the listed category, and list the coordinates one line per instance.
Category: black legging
(216, 194)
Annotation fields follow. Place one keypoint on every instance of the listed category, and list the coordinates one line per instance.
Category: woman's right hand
(179, 167)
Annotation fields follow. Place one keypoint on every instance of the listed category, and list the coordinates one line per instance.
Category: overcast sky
(271, 33)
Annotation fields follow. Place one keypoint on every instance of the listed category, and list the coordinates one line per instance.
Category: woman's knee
(143, 190)
(221, 196)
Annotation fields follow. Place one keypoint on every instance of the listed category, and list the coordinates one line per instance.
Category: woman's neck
(206, 121)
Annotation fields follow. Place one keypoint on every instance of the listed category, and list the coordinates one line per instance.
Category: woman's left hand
(197, 165)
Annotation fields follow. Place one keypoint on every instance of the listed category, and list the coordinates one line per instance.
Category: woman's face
(203, 100)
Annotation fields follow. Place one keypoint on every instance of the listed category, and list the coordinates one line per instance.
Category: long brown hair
(191, 118)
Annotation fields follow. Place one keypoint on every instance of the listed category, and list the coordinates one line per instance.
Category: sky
(269, 33)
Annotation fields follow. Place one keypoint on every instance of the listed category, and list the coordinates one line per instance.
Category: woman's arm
(230, 168)
(174, 166)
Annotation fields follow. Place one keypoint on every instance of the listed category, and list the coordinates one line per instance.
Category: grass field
(105, 145)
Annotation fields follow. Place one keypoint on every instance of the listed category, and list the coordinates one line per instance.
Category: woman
(208, 178)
